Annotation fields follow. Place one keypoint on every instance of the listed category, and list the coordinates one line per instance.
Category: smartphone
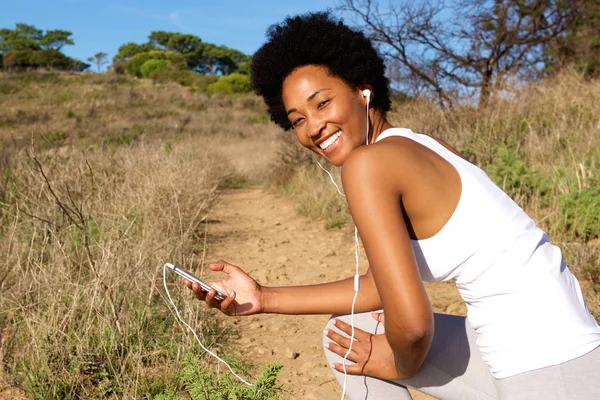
(203, 285)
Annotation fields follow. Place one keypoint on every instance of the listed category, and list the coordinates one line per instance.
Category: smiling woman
(424, 213)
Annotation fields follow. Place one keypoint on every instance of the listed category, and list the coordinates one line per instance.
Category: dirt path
(262, 232)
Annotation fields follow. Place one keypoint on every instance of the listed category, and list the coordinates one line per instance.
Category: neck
(377, 124)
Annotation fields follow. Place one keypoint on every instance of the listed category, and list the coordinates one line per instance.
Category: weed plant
(204, 384)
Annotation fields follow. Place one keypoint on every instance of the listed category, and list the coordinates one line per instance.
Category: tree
(129, 50)
(198, 56)
(56, 39)
(581, 45)
(36, 59)
(172, 41)
(23, 37)
(99, 59)
(27, 47)
(468, 49)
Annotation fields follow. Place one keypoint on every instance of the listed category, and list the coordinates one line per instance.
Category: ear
(366, 92)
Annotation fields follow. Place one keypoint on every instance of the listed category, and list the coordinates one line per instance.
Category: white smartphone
(203, 285)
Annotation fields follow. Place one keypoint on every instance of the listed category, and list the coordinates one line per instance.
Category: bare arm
(326, 298)
(374, 190)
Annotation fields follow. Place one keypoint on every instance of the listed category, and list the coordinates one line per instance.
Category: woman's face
(328, 116)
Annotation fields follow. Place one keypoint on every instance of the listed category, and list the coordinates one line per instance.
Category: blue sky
(104, 25)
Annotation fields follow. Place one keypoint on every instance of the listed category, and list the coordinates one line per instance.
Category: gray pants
(454, 369)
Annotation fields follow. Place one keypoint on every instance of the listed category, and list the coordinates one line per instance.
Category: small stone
(291, 354)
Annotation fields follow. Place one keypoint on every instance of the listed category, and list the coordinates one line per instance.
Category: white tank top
(522, 300)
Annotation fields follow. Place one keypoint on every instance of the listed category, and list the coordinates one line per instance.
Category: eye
(323, 103)
(296, 122)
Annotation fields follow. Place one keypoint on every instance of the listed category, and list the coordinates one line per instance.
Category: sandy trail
(262, 232)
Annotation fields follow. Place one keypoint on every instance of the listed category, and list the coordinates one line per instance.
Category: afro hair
(316, 39)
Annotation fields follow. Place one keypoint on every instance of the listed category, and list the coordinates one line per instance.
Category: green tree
(129, 50)
(23, 37)
(177, 42)
(183, 51)
(134, 65)
(35, 59)
(27, 47)
(56, 39)
(581, 45)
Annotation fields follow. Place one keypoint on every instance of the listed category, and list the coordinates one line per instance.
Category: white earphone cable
(356, 276)
(194, 332)
(356, 286)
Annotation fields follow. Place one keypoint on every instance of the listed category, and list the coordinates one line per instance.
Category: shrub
(183, 77)
(518, 180)
(152, 68)
(231, 84)
(201, 383)
(134, 65)
(580, 212)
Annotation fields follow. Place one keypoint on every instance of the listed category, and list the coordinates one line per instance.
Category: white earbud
(367, 93)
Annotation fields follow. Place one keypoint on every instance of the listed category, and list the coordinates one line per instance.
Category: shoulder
(386, 163)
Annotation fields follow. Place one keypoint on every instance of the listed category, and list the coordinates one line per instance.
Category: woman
(423, 213)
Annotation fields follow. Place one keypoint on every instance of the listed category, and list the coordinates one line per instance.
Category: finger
(225, 304)
(188, 284)
(336, 337)
(341, 351)
(352, 369)
(379, 317)
(211, 300)
(347, 329)
(198, 292)
(225, 267)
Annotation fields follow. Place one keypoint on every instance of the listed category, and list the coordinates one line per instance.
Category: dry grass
(132, 169)
(121, 178)
(83, 310)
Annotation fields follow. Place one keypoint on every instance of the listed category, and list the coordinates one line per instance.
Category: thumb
(223, 266)
(379, 316)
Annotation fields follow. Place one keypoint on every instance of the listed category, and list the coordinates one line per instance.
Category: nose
(316, 127)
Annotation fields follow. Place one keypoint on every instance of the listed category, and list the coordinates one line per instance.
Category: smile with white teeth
(330, 141)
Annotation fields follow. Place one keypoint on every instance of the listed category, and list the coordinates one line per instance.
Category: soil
(262, 232)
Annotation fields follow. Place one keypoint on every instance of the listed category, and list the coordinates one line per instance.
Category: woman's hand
(371, 353)
(244, 294)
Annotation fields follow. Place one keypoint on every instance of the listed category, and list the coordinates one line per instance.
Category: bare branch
(468, 45)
